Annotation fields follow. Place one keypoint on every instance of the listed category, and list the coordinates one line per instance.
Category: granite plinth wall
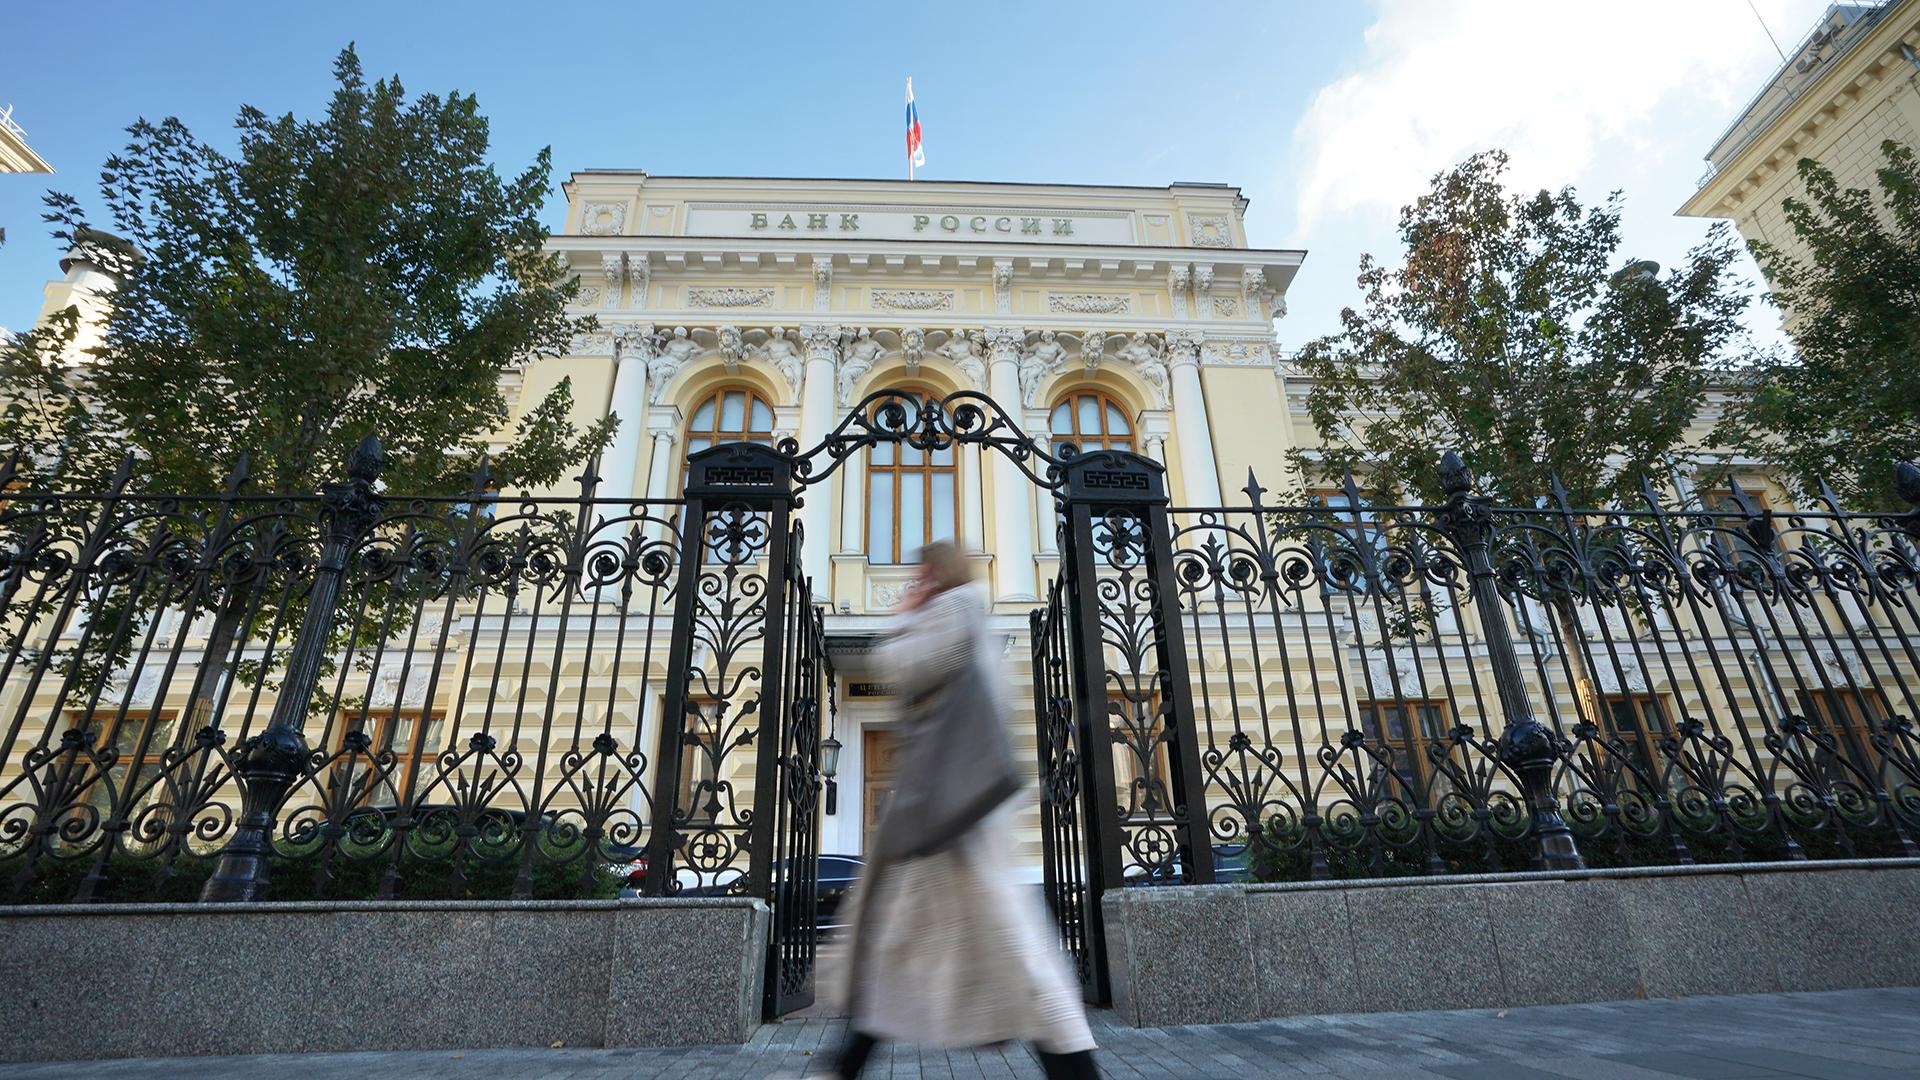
(1215, 954)
(170, 979)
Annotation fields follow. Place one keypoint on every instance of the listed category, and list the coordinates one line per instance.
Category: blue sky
(1328, 115)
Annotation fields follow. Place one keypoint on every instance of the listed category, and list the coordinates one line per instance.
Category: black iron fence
(356, 694)
(1383, 690)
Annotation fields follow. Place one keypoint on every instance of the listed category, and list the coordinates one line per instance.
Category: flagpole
(909, 142)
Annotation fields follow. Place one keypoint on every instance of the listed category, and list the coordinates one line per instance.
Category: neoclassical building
(1852, 83)
(1109, 317)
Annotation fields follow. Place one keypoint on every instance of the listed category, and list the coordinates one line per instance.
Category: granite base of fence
(178, 979)
(1214, 954)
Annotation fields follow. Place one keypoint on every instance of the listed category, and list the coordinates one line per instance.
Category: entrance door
(879, 762)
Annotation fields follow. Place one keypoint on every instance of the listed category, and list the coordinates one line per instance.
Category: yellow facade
(1852, 84)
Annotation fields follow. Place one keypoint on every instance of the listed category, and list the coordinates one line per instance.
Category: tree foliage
(1509, 333)
(1846, 405)
(367, 270)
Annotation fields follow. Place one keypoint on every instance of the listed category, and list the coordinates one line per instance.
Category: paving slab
(1837, 1035)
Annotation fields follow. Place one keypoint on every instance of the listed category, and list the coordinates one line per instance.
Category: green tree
(1511, 333)
(1845, 406)
(364, 271)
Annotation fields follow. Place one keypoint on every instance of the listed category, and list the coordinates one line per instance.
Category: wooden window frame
(1865, 708)
(407, 759)
(1086, 441)
(896, 469)
(140, 722)
(716, 434)
(1644, 740)
(1412, 746)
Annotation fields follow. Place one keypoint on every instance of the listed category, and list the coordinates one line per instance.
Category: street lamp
(830, 767)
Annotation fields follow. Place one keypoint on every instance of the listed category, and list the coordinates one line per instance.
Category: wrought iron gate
(747, 674)
(1112, 704)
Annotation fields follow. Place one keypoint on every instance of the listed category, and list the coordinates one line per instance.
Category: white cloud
(1576, 92)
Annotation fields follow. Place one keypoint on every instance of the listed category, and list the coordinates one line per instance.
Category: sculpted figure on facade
(1145, 356)
(1040, 361)
(732, 348)
(1093, 348)
(861, 356)
(963, 350)
(1003, 285)
(913, 347)
(822, 282)
(1253, 285)
(613, 267)
(639, 277)
(786, 359)
(676, 352)
(1177, 283)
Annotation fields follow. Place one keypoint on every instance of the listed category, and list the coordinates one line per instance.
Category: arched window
(1090, 419)
(729, 414)
(913, 496)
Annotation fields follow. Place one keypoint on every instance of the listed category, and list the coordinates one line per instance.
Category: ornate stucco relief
(913, 299)
(730, 298)
(1091, 303)
(603, 218)
(1210, 230)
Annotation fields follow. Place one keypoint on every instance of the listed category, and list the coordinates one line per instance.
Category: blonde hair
(947, 565)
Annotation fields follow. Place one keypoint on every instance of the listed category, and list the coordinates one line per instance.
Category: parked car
(1232, 863)
(837, 875)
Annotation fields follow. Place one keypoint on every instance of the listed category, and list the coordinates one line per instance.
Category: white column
(1156, 448)
(1043, 511)
(817, 396)
(853, 504)
(661, 473)
(621, 462)
(973, 533)
(1013, 506)
(1198, 469)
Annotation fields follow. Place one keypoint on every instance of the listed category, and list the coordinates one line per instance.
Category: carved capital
(1003, 344)
(632, 340)
(822, 341)
(1203, 278)
(1183, 348)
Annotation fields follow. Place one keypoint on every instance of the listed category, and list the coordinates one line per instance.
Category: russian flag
(914, 153)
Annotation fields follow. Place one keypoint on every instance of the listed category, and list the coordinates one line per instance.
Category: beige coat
(950, 949)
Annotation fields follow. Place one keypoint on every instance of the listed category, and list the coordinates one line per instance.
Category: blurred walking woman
(946, 949)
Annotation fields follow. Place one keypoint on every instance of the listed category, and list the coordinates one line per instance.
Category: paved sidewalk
(1846, 1035)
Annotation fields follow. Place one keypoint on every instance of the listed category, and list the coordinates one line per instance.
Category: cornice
(1860, 74)
(889, 255)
